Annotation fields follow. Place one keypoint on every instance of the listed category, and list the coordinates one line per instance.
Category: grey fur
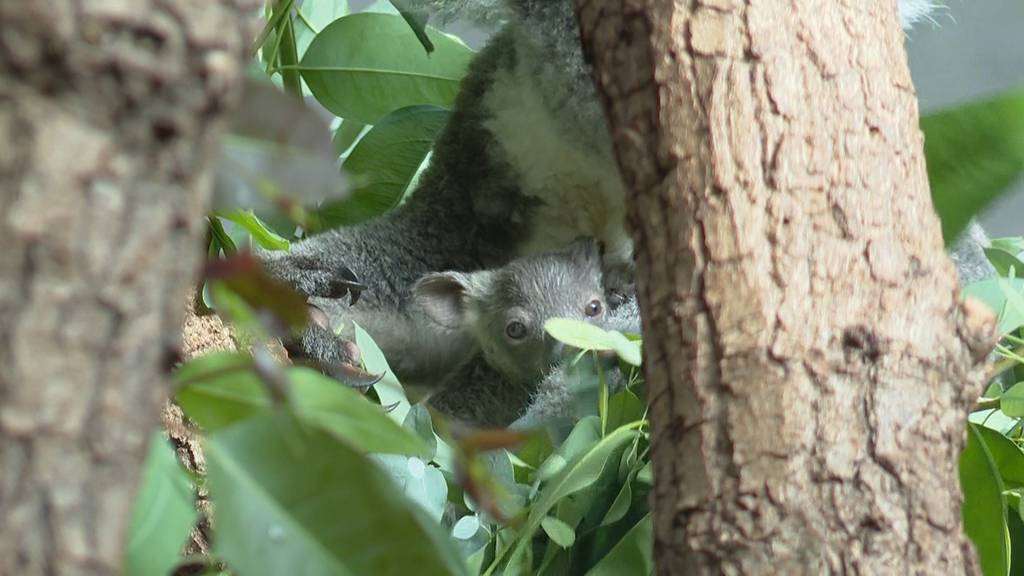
(495, 385)
(968, 254)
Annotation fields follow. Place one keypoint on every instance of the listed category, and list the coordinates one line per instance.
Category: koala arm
(477, 394)
(565, 394)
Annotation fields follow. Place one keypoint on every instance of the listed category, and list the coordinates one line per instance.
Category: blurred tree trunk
(109, 114)
(809, 363)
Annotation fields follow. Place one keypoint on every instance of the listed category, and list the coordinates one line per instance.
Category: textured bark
(809, 364)
(109, 111)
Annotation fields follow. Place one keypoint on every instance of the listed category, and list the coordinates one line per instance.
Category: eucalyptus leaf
(619, 507)
(984, 508)
(389, 390)
(586, 336)
(974, 152)
(1007, 457)
(1004, 261)
(259, 231)
(1012, 244)
(346, 135)
(363, 66)
(220, 389)
(313, 16)
(418, 422)
(1012, 401)
(470, 536)
(422, 484)
(624, 407)
(582, 335)
(559, 532)
(646, 474)
(384, 164)
(577, 475)
(164, 513)
(220, 241)
(632, 555)
(290, 499)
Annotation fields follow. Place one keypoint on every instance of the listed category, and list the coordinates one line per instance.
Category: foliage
(974, 153)
(992, 464)
(308, 476)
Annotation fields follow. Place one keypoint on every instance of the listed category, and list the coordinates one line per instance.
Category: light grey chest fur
(580, 192)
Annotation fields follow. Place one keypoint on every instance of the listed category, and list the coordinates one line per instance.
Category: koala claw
(346, 282)
(354, 377)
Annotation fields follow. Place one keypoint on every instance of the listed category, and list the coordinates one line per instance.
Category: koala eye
(515, 330)
(593, 308)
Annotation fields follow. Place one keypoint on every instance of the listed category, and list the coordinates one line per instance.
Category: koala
(524, 166)
(503, 312)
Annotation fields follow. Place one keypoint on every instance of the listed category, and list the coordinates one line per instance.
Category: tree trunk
(109, 112)
(809, 363)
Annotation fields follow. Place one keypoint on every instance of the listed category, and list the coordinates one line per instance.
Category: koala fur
(503, 312)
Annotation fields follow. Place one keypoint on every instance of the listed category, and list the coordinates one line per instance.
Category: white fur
(912, 11)
(580, 193)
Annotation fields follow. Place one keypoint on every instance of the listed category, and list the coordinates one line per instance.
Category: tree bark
(809, 363)
(109, 114)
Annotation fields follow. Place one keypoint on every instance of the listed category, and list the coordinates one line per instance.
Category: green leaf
(582, 335)
(164, 513)
(424, 485)
(220, 389)
(346, 135)
(419, 423)
(1003, 261)
(632, 555)
(984, 509)
(471, 537)
(289, 499)
(577, 475)
(384, 163)
(624, 407)
(997, 294)
(259, 231)
(364, 66)
(646, 474)
(587, 336)
(1012, 401)
(1016, 529)
(584, 436)
(313, 16)
(1012, 244)
(223, 242)
(389, 390)
(1007, 457)
(416, 18)
(617, 511)
(559, 532)
(974, 152)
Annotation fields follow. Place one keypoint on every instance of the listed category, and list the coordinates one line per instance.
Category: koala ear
(443, 297)
(587, 249)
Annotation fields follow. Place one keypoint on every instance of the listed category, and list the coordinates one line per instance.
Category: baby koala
(502, 312)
